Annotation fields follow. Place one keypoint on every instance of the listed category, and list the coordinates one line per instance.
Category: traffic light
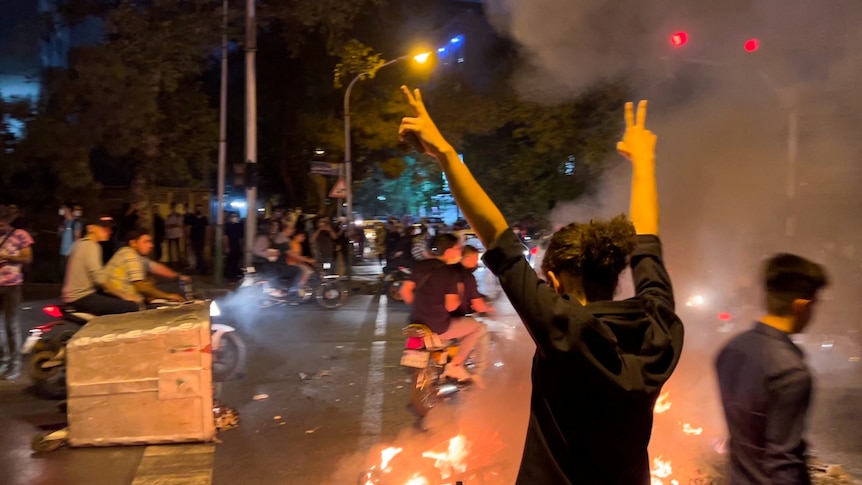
(679, 39)
(751, 45)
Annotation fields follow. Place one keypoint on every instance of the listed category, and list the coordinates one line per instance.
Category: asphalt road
(324, 394)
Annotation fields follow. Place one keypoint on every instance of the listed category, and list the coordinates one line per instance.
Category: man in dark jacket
(600, 364)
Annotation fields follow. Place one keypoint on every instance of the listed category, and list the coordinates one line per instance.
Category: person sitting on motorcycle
(268, 257)
(84, 283)
(296, 258)
(472, 301)
(128, 268)
(433, 291)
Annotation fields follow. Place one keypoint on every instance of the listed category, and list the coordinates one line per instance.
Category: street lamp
(348, 173)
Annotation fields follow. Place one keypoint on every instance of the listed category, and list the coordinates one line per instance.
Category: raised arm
(638, 145)
(484, 217)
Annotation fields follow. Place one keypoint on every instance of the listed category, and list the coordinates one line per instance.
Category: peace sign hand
(638, 143)
(422, 125)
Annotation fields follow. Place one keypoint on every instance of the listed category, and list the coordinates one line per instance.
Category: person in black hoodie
(599, 364)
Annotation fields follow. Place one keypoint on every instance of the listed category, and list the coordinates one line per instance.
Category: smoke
(758, 152)
(735, 128)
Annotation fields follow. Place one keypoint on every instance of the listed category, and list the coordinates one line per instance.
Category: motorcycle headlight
(327, 265)
(214, 309)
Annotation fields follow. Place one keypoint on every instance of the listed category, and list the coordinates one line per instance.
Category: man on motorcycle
(433, 291)
(126, 272)
(83, 286)
(295, 258)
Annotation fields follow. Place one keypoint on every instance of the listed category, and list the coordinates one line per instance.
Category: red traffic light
(679, 38)
(751, 45)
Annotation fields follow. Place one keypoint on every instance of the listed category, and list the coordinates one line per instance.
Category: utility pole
(792, 153)
(250, 129)
(222, 153)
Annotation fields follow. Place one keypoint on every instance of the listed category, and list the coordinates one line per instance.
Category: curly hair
(596, 252)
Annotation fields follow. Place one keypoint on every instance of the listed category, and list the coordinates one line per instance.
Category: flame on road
(689, 430)
(662, 404)
(386, 456)
(660, 469)
(417, 479)
(454, 458)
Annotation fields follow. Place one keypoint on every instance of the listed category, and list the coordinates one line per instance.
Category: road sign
(325, 168)
(339, 190)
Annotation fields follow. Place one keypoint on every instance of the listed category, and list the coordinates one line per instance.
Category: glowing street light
(421, 58)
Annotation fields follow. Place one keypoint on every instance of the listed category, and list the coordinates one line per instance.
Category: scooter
(328, 290)
(393, 280)
(426, 356)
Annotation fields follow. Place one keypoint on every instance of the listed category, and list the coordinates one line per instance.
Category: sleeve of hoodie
(559, 326)
(663, 339)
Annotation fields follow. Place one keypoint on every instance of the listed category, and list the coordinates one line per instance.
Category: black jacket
(597, 372)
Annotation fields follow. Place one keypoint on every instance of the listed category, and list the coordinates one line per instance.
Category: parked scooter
(328, 290)
(47, 345)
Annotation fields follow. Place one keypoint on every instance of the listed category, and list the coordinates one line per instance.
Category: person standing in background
(15, 251)
(174, 235)
(69, 231)
(234, 233)
(197, 231)
(158, 233)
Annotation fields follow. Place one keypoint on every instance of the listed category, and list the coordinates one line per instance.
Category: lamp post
(222, 153)
(250, 129)
(348, 165)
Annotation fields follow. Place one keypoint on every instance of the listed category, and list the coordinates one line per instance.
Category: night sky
(19, 37)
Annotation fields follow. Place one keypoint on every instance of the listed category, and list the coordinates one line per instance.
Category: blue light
(441, 50)
(457, 39)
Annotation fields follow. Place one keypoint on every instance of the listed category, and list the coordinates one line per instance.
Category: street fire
(660, 469)
(662, 404)
(386, 456)
(689, 430)
(417, 479)
(454, 458)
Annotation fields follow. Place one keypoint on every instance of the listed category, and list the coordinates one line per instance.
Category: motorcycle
(47, 346)
(328, 290)
(426, 356)
(393, 280)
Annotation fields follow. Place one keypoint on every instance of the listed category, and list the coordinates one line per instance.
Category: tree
(132, 107)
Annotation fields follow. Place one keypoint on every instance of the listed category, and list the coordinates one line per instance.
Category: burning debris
(662, 404)
(454, 458)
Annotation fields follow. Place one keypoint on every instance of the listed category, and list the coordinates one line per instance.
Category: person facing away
(126, 273)
(433, 293)
(83, 286)
(599, 364)
(765, 383)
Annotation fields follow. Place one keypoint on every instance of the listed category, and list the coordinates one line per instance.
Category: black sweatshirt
(597, 371)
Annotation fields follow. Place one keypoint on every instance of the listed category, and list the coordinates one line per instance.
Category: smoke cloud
(758, 152)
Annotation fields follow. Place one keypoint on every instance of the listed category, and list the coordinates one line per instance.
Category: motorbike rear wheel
(51, 382)
(332, 294)
(422, 392)
(229, 358)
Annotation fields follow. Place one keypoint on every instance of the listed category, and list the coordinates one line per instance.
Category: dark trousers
(231, 268)
(198, 248)
(11, 338)
(100, 304)
(174, 251)
(157, 249)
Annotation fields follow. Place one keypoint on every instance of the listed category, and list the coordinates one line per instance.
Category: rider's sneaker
(457, 372)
